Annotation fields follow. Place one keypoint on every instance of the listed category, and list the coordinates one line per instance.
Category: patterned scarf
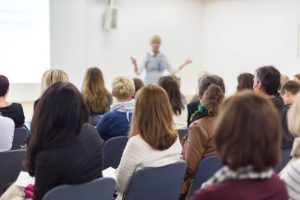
(201, 112)
(225, 173)
(125, 107)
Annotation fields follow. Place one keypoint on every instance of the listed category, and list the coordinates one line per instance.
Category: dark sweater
(192, 108)
(269, 189)
(76, 163)
(15, 112)
(287, 138)
(114, 124)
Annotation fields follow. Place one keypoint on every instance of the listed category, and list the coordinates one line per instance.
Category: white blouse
(138, 155)
(7, 129)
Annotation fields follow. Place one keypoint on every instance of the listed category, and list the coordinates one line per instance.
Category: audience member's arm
(45, 176)
(296, 148)
(127, 165)
(193, 148)
(102, 128)
(20, 118)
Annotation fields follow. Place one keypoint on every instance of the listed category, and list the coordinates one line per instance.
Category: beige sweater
(138, 155)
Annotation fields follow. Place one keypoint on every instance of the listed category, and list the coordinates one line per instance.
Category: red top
(269, 189)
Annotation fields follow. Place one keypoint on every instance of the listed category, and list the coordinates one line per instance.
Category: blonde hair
(94, 93)
(123, 87)
(294, 117)
(152, 118)
(52, 76)
(155, 39)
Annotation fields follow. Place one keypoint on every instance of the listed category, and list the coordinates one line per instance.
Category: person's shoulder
(90, 131)
(16, 106)
(206, 193)
(7, 123)
(202, 122)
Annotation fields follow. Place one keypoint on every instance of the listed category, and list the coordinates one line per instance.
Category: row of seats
(113, 150)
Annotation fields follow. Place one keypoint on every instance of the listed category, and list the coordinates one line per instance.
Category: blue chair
(206, 169)
(159, 183)
(20, 138)
(113, 150)
(10, 166)
(285, 158)
(182, 133)
(99, 189)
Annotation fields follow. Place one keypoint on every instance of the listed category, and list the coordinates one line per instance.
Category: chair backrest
(206, 169)
(10, 166)
(285, 158)
(113, 150)
(182, 133)
(159, 183)
(99, 189)
(20, 137)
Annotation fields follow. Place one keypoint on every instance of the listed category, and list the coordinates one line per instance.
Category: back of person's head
(57, 120)
(294, 117)
(291, 86)
(94, 92)
(206, 80)
(152, 118)
(52, 76)
(283, 79)
(123, 88)
(248, 132)
(245, 81)
(269, 78)
(4, 85)
(138, 84)
(297, 78)
(212, 98)
(170, 85)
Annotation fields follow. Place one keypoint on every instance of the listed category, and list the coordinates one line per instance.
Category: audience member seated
(95, 95)
(249, 146)
(194, 106)
(245, 82)
(153, 139)
(297, 78)
(291, 173)
(199, 142)
(64, 148)
(50, 77)
(267, 82)
(283, 79)
(7, 128)
(138, 84)
(289, 91)
(117, 121)
(179, 110)
(7, 109)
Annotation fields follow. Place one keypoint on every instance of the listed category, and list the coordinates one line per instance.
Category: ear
(260, 86)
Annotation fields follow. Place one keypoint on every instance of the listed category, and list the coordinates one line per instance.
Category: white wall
(222, 36)
(79, 41)
(241, 35)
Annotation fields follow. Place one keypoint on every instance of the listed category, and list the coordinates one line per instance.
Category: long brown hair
(94, 92)
(169, 84)
(152, 118)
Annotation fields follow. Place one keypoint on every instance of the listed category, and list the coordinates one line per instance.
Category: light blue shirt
(154, 66)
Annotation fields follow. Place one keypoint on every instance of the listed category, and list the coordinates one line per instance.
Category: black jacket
(287, 138)
(75, 163)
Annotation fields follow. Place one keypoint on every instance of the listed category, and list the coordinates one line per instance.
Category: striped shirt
(291, 175)
(154, 66)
